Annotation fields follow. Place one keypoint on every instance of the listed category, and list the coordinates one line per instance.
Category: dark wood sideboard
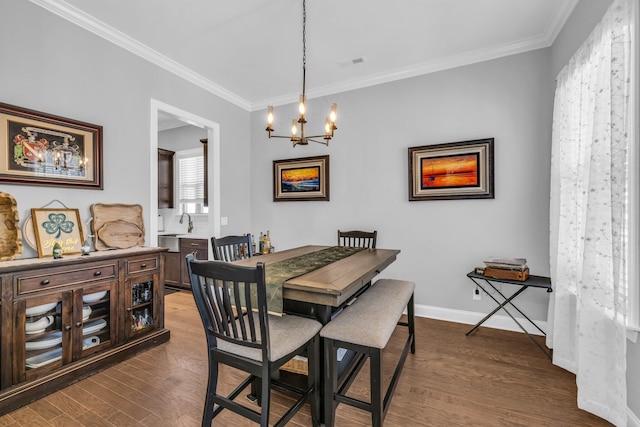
(64, 319)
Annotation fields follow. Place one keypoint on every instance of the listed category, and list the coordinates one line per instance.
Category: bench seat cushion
(372, 318)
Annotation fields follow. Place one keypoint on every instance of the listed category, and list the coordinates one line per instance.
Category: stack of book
(506, 268)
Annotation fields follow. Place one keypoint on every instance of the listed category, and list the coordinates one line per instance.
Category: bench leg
(330, 381)
(412, 323)
(377, 407)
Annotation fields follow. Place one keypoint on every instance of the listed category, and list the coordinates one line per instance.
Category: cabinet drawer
(194, 244)
(139, 265)
(56, 277)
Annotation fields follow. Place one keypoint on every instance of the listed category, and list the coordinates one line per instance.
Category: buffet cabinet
(65, 319)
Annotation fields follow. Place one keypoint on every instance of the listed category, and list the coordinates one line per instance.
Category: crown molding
(415, 70)
(101, 29)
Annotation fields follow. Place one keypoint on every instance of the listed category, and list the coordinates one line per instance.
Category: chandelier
(298, 136)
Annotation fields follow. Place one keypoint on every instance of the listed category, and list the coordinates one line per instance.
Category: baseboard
(496, 321)
(632, 419)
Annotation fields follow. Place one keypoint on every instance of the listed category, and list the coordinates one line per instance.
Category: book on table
(504, 263)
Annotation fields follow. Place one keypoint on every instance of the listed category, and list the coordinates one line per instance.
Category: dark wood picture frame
(302, 179)
(456, 170)
(43, 149)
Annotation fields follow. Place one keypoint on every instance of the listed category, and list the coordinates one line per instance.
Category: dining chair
(232, 248)
(252, 341)
(363, 239)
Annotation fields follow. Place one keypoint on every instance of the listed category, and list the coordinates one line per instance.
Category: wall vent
(351, 61)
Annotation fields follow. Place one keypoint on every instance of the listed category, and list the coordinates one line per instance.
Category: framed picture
(301, 179)
(57, 225)
(42, 149)
(457, 170)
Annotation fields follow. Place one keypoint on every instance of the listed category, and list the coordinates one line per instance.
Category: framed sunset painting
(456, 170)
(301, 179)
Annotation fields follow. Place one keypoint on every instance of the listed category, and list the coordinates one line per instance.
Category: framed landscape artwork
(57, 225)
(457, 170)
(42, 149)
(301, 179)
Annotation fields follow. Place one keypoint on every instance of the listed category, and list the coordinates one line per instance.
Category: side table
(532, 281)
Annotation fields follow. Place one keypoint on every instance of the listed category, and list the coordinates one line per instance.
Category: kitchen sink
(171, 241)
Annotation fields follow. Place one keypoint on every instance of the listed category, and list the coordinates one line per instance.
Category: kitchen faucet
(190, 228)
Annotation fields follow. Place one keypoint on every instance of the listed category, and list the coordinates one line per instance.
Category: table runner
(279, 272)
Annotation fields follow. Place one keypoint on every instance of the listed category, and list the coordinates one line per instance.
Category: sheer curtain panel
(589, 216)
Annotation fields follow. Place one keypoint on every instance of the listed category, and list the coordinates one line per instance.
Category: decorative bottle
(261, 242)
(253, 245)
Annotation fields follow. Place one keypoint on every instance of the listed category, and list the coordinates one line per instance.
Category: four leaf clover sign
(57, 224)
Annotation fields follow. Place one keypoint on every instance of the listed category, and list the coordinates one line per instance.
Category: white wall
(508, 99)
(58, 68)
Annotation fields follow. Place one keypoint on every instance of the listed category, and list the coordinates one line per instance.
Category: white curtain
(588, 215)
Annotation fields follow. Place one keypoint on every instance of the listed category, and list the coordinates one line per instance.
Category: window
(190, 182)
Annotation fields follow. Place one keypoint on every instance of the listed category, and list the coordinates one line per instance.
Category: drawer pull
(67, 328)
(78, 324)
(45, 282)
(144, 265)
(97, 273)
(194, 244)
(129, 308)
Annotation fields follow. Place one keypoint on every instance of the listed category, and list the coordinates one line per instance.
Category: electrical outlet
(476, 294)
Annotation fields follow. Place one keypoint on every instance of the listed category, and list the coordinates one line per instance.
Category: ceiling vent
(351, 61)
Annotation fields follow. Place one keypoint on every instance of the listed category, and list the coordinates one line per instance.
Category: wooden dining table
(321, 292)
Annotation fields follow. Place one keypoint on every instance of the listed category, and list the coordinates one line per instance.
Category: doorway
(158, 110)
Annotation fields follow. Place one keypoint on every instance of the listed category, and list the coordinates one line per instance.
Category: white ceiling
(250, 51)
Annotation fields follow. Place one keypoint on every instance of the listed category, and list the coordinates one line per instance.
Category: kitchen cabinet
(68, 318)
(172, 273)
(200, 248)
(165, 178)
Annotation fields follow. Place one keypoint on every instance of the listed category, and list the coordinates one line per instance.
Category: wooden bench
(365, 328)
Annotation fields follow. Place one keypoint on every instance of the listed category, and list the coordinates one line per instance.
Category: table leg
(502, 306)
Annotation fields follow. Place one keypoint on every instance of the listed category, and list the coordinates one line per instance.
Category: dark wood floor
(493, 378)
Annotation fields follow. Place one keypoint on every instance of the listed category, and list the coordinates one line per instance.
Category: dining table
(321, 292)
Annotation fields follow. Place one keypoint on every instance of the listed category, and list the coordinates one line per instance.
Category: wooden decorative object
(501, 273)
(62, 226)
(116, 215)
(10, 236)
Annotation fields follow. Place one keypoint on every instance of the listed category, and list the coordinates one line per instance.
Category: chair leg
(377, 409)
(212, 384)
(330, 381)
(265, 394)
(313, 378)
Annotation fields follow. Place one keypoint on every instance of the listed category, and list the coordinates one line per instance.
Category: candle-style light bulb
(333, 115)
(302, 107)
(270, 116)
(327, 127)
(294, 128)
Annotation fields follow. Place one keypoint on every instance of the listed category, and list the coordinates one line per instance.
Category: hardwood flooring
(492, 378)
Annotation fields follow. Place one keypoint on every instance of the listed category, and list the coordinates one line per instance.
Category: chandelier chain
(304, 45)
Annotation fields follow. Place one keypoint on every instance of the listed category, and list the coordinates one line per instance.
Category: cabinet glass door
(45, 339)
(140, 304)
(95, 313)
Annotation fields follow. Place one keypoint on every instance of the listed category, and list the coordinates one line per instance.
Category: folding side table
(532, 281)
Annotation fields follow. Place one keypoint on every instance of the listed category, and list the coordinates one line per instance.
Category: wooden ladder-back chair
(252, 341)
(232, 248)
(362, 239)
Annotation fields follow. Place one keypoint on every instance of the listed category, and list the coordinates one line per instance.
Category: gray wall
(508, 99)
(59, 68)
